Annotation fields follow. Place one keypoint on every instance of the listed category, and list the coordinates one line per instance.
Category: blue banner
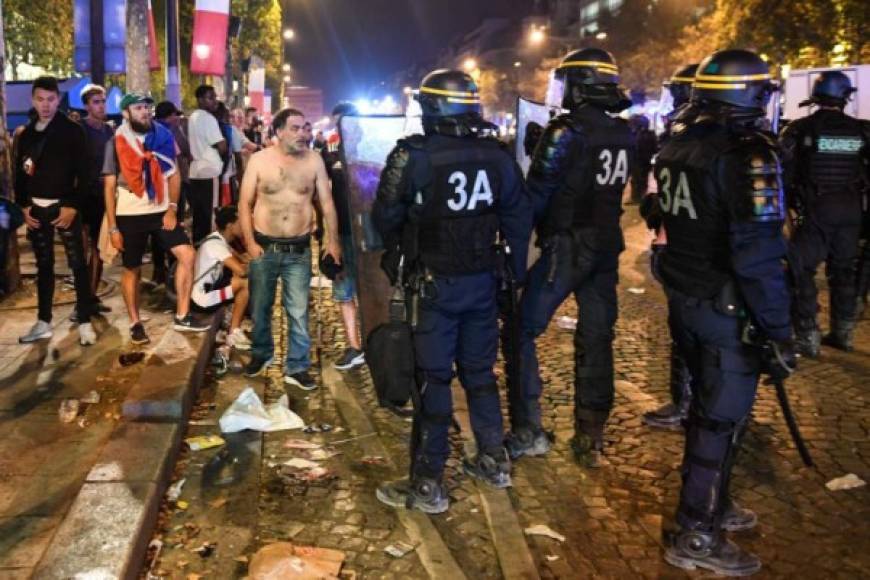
(114, 35)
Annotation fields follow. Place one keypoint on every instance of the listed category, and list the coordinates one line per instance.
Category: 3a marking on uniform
(481, 191)
(681, 198)
(611, 174)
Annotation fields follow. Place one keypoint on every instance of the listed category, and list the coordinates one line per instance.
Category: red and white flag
(257, 85)
(153, 51)
(210, 28)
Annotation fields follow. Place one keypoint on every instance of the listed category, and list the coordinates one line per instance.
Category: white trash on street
(850, 481)
(249, 412)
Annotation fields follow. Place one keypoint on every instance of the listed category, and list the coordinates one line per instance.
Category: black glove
(778, 360)
(328, 267)
(390, 261)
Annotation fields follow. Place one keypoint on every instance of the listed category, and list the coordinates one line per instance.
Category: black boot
(531, 441)
(695, 549)
(808, 339)
(738, 519)
(841, 335)
(492, 467)
(588, 440)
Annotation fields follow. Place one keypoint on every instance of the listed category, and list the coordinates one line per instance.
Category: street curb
(106, 531)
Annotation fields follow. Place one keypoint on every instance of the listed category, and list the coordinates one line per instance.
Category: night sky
(346, 47)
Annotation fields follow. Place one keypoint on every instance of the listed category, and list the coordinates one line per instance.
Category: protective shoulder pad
(390, 187)
(762, 177)
(553, 149)
(415, 141)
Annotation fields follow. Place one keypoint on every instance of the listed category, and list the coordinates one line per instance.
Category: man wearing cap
(50, 179)
(142, 185)
(825, 168)
(97, 133)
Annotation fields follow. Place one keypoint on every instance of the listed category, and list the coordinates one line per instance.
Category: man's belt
(295, 245)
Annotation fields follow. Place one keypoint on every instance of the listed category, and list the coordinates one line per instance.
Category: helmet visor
(555, 90)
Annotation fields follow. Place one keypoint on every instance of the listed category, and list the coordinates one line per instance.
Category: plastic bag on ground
(248, 412)
(285, 560)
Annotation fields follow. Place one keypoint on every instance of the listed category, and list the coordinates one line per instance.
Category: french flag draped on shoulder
(211, 23)
(145, 166)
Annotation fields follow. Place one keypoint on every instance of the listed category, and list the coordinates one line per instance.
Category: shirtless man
(276, 212)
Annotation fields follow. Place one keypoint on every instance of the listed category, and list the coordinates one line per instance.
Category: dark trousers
(202, 201)
(812, 244)
(457, 326)
(680, 383)
(42, 240)
(589, 270)
(724, 380)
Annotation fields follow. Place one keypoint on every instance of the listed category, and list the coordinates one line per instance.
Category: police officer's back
(441, 201)
(826, 178)
(720, 194)
(578, 173)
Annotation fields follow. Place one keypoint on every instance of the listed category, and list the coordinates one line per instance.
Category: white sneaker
(38, 331)
(238, 340)
(87, 335)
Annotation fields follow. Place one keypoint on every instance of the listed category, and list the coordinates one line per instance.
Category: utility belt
(727, 302)
(296, 245)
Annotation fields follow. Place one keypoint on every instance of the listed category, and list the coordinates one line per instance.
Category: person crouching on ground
(142, 185)
(221, 276)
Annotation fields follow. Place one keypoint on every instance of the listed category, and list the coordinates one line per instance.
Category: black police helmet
(448, 93)
(832, 87)
(735, 77)
(680, 84)
(591, 75)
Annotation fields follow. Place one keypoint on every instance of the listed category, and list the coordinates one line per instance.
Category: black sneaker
(101, 308)
(188, 324)
(137, 334)
(351, 358)
(257, 366)
(531, 441)
(493, 468)
(302, 380)
(668, 416)
(424, 494)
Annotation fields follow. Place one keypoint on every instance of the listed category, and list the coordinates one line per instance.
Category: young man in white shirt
(207, 147)
(142, 185)
(221, 276)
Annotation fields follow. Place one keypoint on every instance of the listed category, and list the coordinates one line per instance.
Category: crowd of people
(448, 202)
(249, 194)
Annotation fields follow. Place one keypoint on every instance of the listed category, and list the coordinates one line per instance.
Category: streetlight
(289, 34)
(407, 90)
(285, 67)
(537, 36)
(601, 35)
(518, 64)
(469, 64)
(287, 79)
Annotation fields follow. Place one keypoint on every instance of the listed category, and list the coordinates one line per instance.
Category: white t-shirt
(203, 132)
(209, 261)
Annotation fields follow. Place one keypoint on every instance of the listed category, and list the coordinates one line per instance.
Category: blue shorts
(344, 286)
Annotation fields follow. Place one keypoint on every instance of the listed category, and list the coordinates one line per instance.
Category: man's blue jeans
(294, 270)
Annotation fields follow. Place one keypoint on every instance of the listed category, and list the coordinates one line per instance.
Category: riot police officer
(671, 414)
(442, 199)
(576, 180)
(721, 198)
(825, 167)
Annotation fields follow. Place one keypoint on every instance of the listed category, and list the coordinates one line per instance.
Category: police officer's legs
(672, 414)
(476, 354)
(435, 341)
(593, 358)
(725, 374)
(842, 284)
(807, 249)
(539, 303)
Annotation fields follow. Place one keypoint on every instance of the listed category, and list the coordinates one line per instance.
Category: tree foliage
(39, 33)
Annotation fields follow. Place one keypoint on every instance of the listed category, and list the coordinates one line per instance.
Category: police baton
(782, 396)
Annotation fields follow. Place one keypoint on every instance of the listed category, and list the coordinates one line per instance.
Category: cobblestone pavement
(613, 516)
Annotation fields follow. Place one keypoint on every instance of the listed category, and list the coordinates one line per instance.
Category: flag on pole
(257, 84)
(210, 27)
(153, 51)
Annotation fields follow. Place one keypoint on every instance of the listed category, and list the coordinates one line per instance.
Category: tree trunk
(138, 73)
(10, 275)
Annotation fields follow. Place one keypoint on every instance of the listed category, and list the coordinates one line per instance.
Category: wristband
(173, 205)
(114, 230)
